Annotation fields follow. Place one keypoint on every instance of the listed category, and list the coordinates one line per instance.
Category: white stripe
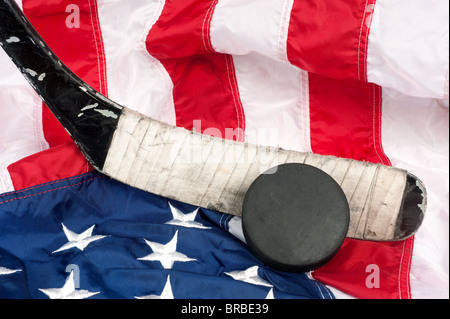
(135, 79)
(21, 116)
(284, 29)
(6, 184)
(241, 27)
(408, 46)
(415, 137)
(19, 3)
(275, 97)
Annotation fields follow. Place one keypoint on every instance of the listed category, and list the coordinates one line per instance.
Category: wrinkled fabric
(269, 71)
(33, 257)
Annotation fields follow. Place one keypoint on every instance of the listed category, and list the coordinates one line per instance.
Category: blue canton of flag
(92, 237)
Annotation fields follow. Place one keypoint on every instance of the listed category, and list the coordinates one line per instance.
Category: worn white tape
(215, 173)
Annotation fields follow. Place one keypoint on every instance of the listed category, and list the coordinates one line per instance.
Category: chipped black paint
(66, 95)
(413, 209)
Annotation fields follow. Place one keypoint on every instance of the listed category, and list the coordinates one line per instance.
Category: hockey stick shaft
(214, 173)
(74, 103)
(187, 166)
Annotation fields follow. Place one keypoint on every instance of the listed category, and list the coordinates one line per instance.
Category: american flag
(361, 79)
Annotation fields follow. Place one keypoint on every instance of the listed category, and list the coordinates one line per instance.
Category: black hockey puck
(295, 217)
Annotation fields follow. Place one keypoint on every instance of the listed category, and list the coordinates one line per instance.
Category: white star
(270, 294)
(6, 271)
(68, 291)
(185, 220)
(165, 294)
(250, 275)
(166, 254)
(79, 241)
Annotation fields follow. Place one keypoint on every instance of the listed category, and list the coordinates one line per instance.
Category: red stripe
(363, 41)
(328, 37)
(404, 283)
(351, 269)
(62, 161)
(181, 30)
(81, 49)
(205, 86)
(346, 122)
(345, 119)
(207, 27)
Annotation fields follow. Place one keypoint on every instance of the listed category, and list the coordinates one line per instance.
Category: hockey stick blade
(385, 203)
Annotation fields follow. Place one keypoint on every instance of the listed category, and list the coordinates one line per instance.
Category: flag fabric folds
(59, 240)
(361, 79)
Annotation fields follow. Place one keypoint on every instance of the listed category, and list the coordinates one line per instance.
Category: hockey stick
(386, 203)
